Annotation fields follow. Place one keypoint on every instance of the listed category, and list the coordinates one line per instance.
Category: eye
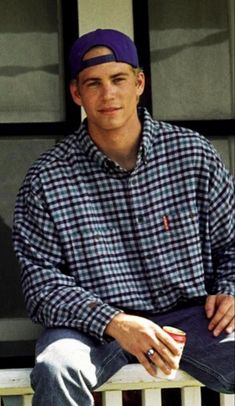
(119, 79)
(93, 83)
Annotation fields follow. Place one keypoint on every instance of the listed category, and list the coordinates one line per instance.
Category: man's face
(108, 92)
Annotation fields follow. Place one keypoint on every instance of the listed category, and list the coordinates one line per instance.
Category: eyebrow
(94, 78)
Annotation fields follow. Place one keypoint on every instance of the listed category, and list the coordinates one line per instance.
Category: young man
(125, 226)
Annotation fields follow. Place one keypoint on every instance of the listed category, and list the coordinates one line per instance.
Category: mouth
(109, 110)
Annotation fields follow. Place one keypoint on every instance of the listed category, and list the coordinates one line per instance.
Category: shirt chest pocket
(178, 243)
(179, 225)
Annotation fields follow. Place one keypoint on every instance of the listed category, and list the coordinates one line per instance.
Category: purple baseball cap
(122, 47)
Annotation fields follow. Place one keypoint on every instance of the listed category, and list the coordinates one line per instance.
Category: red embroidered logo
(166, 224)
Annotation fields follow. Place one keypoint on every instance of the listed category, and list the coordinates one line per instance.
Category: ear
(140, 83)
(75, 92)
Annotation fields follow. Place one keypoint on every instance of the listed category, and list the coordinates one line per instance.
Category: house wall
(17, 154)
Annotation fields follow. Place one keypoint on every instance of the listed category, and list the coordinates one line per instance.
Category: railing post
(191, 396)
(27, 400)
(227, 400)
(112, 398)
(151, 397)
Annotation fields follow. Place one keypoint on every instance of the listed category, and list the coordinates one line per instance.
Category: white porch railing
(15, 382)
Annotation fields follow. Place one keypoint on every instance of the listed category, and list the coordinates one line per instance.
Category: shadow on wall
(208, 40)
(11, 298)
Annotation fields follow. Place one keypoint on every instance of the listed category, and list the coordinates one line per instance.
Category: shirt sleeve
(52, 296)
(222, 228)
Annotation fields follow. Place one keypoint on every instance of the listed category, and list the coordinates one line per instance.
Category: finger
(210, 305)
(231, 326)
(164, 340)
(172, 361)
(222, 323)
(165, 366)
(223, 315)
(147, 364)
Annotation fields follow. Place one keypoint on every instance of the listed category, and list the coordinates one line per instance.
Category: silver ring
(150, 352)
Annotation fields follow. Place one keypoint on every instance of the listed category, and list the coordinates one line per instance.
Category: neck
(120, 145)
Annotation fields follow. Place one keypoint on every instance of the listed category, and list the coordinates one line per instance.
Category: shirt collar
(85, 143)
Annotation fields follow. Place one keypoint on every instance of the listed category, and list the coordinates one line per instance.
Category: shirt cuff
(225, 287)
(98, 319)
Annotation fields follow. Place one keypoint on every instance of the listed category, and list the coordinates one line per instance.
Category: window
(187, 51)
(35, 38)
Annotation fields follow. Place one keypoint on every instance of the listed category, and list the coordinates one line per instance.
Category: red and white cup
(180, 338)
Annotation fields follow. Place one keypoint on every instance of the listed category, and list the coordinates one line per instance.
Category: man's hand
(220, 309)
(137, 335)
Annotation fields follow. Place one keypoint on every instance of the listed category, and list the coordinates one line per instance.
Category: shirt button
(92, 305)
(140, 219)
(112, 165)
(133, 182)
(149, 257)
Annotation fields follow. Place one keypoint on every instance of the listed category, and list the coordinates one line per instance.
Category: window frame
(219, 127)
(69, 22)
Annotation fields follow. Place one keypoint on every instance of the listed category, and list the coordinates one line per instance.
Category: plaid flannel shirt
(92, 238)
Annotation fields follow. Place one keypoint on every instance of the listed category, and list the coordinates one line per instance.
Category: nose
(108, 91)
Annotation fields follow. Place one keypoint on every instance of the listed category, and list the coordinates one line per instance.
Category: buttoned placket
(139, 220)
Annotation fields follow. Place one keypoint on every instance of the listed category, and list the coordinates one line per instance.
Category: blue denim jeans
(69, 364)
